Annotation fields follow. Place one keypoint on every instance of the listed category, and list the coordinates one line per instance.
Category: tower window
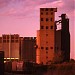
(4, 41)
(46, 9)
(42, 27)
(4, 37)
(46, 57)
(7, 40)
(42, 9)
(41, 13)
(46, 19)
(51, 13)
(46, 34)
(51, 27)
(12, 41)
(42, 47)
(46, 13)
(46, 27)
(8, 37)
(46, 42)
(41, 19)
(16, 41)
(16, 37)
(46, 48)
(51, 47)
(51, 19)
(51, 9)
(12, 37)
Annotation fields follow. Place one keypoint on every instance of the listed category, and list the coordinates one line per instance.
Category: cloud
(22, 8)
(58, 3)
(4, 3)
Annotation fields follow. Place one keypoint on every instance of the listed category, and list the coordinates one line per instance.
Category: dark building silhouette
(62, 40)
(65, 37)
(28, 51)
(58, 41)
(1, 62)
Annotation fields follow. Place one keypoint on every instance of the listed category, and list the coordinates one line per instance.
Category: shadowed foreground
(53, 69)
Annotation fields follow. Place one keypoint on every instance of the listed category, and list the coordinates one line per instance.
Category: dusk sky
(23, 17)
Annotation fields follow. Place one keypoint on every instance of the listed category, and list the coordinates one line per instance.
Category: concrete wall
(10, 45)
(28, 51)
(46, 36)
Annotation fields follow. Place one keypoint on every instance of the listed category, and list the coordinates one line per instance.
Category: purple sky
(22, 16)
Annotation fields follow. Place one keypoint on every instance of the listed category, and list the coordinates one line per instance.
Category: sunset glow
(22, 16)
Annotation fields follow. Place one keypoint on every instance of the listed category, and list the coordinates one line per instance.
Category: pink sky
(22, 16)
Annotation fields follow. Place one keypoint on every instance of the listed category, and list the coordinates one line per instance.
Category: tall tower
(62, 40)
(65, 35)
(46, 36)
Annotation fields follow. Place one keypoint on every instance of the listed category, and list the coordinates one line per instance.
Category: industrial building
(46, 36)
(10, 45)
(28, 50)
(18, 48)
(52, 45)
(62, 38)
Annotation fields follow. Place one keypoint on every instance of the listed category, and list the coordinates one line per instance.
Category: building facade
(28, 50)
(18, 48)
(65, 37)
(62, 40)
(10, 45)
(46, 36)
